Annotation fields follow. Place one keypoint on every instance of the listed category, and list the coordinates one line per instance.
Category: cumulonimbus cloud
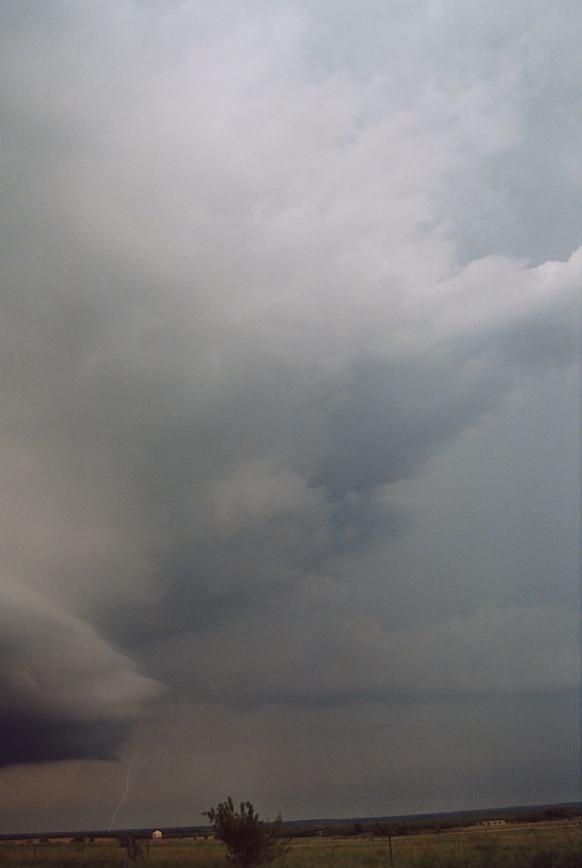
(238, 310)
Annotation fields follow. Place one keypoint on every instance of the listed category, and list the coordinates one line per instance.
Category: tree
(248, 839)
(133, 850)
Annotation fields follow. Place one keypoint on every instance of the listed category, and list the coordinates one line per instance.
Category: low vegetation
(248, 839)
(240, 837)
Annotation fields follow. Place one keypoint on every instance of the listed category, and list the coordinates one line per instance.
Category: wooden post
(390, 849)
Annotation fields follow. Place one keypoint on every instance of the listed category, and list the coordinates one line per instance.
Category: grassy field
(541, 845)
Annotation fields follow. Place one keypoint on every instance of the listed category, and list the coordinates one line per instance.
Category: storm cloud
(257, 282)
(65, 692)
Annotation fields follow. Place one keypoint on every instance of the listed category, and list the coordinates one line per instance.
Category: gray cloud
(297, 657)
(65, 692)
(245, 306)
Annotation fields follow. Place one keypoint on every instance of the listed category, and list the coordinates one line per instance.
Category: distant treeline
(413, 826)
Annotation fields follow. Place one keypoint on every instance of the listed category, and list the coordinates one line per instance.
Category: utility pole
(390, 849)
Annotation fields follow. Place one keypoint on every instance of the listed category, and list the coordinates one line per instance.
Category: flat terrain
(540, 845)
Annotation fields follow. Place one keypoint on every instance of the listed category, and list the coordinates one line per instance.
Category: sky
(290, 407)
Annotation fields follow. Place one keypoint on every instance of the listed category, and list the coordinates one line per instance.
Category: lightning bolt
(127, 783)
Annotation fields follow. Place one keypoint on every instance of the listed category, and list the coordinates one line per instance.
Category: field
(539, 845)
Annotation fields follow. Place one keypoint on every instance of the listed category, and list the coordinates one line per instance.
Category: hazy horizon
(309, 820)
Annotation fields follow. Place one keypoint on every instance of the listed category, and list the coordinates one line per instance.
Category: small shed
(157, 835)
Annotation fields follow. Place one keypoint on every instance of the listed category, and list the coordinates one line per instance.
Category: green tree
(249, 840)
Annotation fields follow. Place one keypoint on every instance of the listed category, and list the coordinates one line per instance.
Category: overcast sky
(290, 346)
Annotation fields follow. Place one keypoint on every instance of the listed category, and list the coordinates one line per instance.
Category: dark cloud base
(36, 738)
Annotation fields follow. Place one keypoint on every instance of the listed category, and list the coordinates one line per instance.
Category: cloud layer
(255, 281)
